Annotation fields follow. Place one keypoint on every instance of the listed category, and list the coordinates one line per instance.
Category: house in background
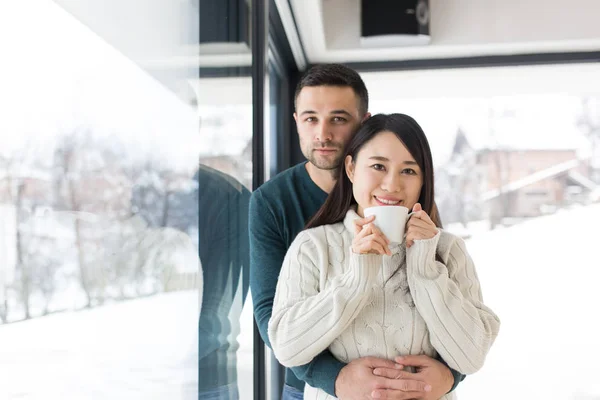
(513, 179)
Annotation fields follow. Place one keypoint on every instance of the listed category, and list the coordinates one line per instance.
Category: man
(224, 257)
(331, 101)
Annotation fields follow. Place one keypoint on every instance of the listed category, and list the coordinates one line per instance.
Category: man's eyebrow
(381, 158)
(334, 112)
(344, 112)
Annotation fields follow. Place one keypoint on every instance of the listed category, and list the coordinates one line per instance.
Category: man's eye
(311, 119)
(339, 119)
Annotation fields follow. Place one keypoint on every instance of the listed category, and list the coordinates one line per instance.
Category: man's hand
(428, 370)
(356, 381)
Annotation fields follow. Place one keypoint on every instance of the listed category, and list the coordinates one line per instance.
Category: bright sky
(58, 74)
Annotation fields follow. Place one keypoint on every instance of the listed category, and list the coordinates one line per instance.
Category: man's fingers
(408, 385)
(414, 360)
(401, 389)
(383, 394)
(374, 362)
(396, 373)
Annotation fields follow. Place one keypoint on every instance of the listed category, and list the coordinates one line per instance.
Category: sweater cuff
(365, 266)
(322, 372)
(458, 378)
(329, 376)
(421, 257)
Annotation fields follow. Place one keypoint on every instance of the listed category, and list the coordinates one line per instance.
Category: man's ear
(366, 117)
(349, 168)
(296, 117)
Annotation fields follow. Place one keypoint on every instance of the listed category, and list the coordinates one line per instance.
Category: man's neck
(323, 178)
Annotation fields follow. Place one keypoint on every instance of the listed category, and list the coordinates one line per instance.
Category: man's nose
(323, 133)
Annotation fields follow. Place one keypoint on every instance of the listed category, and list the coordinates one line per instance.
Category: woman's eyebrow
(381, 158)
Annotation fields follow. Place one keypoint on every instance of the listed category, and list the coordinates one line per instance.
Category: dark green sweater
(279, 210)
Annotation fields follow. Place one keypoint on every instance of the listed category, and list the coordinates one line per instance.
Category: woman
(343, 286)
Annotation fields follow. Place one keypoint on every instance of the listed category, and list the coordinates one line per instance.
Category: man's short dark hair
(335, 75)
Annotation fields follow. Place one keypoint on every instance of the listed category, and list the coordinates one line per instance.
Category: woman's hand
(419, 226)
(368, 239)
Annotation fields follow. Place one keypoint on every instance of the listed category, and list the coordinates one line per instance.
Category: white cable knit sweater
(374, 305)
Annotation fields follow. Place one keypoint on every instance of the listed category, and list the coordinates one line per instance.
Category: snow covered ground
(541, 277)
(139, 349)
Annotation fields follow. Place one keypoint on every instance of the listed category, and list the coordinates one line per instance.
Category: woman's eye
(378, 167)
(409, 171)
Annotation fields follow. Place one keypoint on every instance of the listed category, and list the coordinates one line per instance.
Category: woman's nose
(391, 183)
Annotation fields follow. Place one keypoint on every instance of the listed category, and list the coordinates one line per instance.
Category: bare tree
(88, 182)
(65, 156)
(15, 189)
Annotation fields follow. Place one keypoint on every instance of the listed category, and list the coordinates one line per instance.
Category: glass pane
(224, 93)
(517, 162)
(226, 321)
(99, 261)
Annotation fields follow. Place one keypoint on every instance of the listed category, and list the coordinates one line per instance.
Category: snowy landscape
(540, 277)
(139, 349)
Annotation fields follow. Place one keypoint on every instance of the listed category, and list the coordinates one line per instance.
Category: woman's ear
(349, 164)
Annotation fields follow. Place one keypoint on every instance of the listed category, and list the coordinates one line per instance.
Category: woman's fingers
(375, 229)
(418, 233)
(366, 242)
(420, 216)
(371, 244)
(369, 238)
(361, 222)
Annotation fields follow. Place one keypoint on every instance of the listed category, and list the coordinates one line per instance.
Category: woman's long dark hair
(341, 198)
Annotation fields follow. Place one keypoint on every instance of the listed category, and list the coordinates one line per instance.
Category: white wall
(513, 21)
(330, 29)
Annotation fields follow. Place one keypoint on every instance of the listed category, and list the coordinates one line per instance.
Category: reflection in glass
(225, 174)
(224, 255)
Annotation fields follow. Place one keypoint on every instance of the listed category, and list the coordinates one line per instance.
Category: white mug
(391, 220)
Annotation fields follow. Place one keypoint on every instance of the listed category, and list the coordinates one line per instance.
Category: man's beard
(322, 162)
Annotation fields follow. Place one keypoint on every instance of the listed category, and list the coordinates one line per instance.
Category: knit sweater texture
(411, 302)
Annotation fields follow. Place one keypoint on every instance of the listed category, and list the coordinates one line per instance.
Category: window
(504, 190)
(99, 271)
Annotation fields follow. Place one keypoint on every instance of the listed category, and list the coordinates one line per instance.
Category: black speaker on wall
(394, 17)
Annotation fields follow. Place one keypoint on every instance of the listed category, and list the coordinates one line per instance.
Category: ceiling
(329, 30)
(164, 36)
